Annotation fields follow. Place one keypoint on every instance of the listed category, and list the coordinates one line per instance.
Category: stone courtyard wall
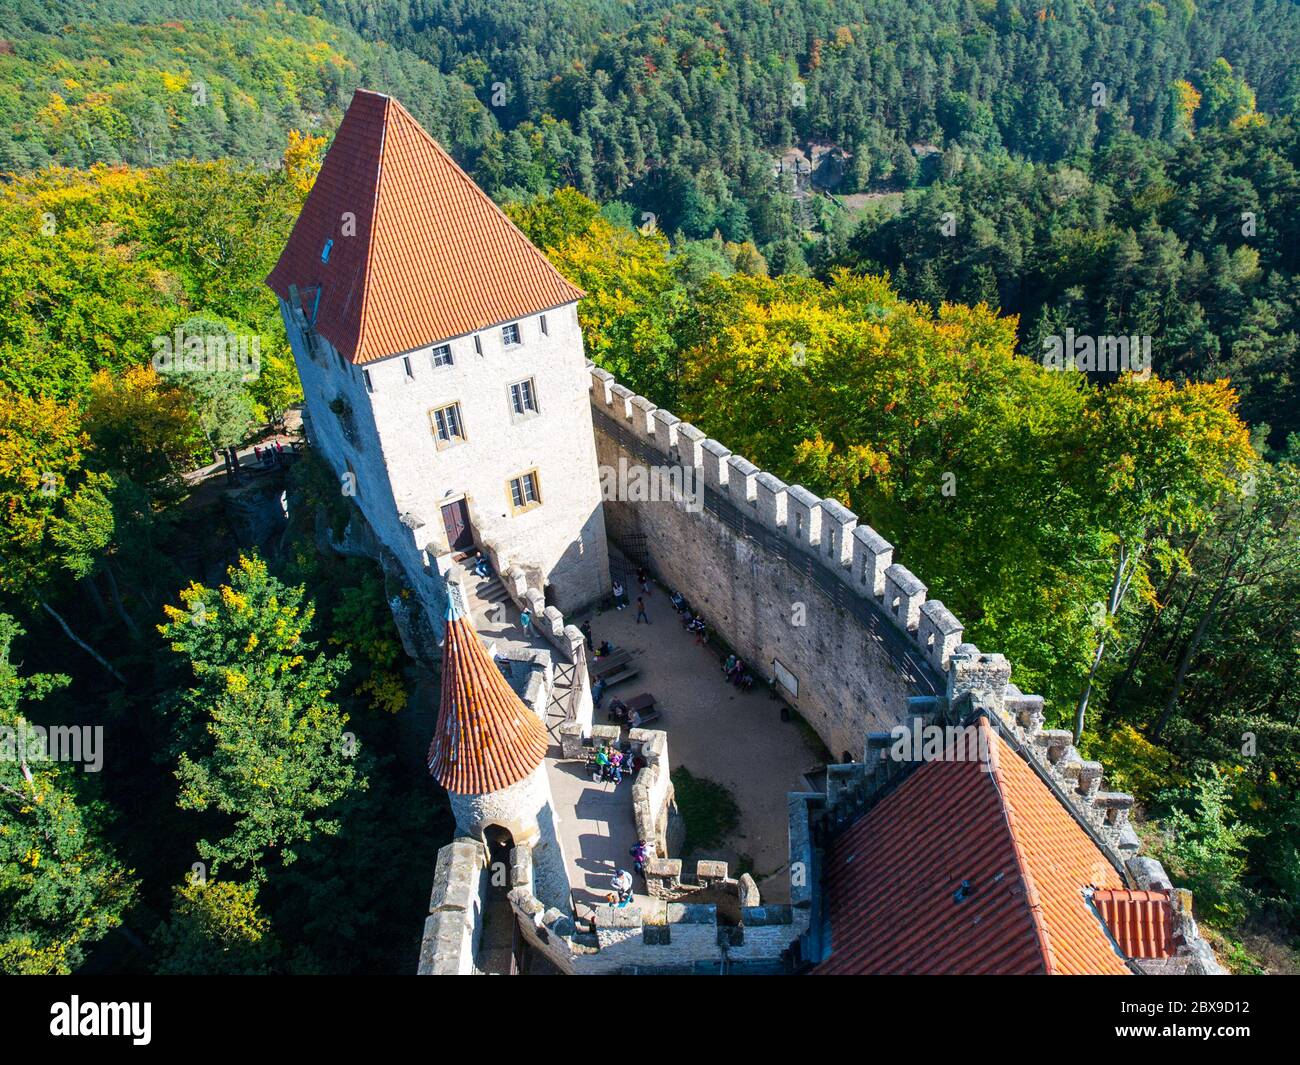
(779, 573)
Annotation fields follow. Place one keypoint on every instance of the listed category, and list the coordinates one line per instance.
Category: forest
(989, 174)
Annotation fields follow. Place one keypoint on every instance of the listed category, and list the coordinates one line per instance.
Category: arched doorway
(499, 844)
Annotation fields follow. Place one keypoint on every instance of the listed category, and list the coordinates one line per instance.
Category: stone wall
(454, 926)
(779, 573)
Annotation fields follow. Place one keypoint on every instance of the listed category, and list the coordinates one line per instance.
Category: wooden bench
(613, 663)
(644, 706)
(619, 676)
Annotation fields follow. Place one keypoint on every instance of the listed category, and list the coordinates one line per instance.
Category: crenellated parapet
(826, 530)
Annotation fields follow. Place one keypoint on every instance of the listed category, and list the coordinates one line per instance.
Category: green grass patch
(708, 810)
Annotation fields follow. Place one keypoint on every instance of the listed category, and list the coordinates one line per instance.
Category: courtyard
(717, 732)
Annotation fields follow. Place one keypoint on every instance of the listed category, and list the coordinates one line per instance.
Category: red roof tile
(892, 878)
(1142, 922)
(432, 256)
(486, 738)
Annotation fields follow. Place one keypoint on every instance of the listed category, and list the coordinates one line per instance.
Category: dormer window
(510, 334)
(325, 251)
(545, 332)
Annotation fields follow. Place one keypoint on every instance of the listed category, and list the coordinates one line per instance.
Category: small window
(524, 492)
(478, 345)
(370, 385)
(447, 426)
(523, 397)
(406, 365)
(442, 355)
(798, 526)
(510, 334)
(545, 332)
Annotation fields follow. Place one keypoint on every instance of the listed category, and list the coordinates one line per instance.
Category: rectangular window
(478, 345)
(524, 491)
(545, 332)
(370, 385)
(510, 334)
(447, 427)
(406, 363)
(523, 397)
(442, 355)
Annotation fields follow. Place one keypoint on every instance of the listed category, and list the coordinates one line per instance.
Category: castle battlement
(824, 529)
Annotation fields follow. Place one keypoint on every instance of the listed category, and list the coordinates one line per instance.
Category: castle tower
(442, 364)
(488, 751)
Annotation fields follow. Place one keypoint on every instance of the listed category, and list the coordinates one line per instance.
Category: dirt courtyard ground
(719, 732)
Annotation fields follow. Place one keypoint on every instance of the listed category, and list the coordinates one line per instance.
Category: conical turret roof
(486, 738)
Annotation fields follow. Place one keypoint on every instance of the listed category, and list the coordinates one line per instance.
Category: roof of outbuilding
(971, 866)
(417, 252)
(1142, 922)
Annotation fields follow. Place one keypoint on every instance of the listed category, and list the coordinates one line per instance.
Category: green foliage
(1205, 846)
(262, 738)
(61, 890)
(1194, 247)
(708, 809)
(216, 928)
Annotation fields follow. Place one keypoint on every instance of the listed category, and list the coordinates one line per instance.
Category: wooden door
(455, 517)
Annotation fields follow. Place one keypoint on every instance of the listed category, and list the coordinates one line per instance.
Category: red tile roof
(891, 879)
(432, 256)
(1142, 922)
(486, 738)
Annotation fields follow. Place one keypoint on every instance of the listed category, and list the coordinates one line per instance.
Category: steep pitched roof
(892, 880)
(432, 256)
(486, 738)
(1142, 922)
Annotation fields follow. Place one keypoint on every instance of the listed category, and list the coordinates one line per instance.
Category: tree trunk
(67, 631)
(1189, 653)
(116, 596)
(1125, 567)
(92, 593)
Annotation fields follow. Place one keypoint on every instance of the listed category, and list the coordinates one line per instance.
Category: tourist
(679, 601)
(729, 664)
(620, 597)
(616, 766)
(640, 855)
(526, 620)
(643, 578)
(622, 884)
(585, 629)
(640, 611)
(597, 693)
(483, 568)
(605, 649)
